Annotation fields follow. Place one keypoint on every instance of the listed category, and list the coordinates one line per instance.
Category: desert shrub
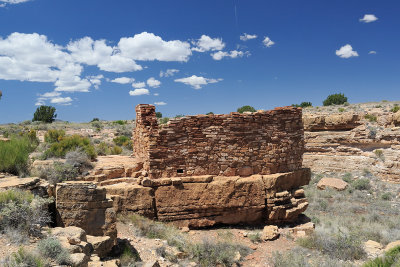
(292, 258)
(361, 184)
(395, 109)
(23, 258)
(14, 154)
(378, 106)
(78, 159)
(123, 141)
(255, 237)
(58, 173)
(164, 120)
(120, 122)
(341, 109)
(212, 253)
(246, 109)
(97, 125)
(391, 258)
(386, 196)
(23, 211)
(302, 105)
(159, 115)
(71, 143)
(379, 154)
(210, 113)
(337, 245)
(129, 256)
(45, 114)
(95, 119)
(104, 149)
(53, 136)
(51, 248)
(370, 118)
(335, 99)
(347, 177)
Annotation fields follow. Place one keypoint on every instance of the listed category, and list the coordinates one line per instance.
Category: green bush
(361, 184)
(335, 99)
(45, 114)
(210, 113)
(370, 117)
(58, 173)
(53, 136)
(395, 109)
(23, 258)
(104, 149)
(386, 196)
(341, 109)
(123, 141)
(164, 120)
(120, 122)
(51, 248)
(14, 154)
(159, 115)
(302, 105)
(16, 196)
(71, 143)
(95, 119)
(246, 109)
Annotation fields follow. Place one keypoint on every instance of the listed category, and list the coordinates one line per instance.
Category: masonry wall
(264, 142)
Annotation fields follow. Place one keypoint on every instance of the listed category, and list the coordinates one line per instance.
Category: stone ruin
(204, 170)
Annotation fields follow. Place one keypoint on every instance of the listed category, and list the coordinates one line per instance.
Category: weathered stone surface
(102, 245)
(270, 232)
(114, 166)
(80, 259)
(225, 145)
(334, 183)
(153, 263)
(84, 205)
(373, 248)
(392, 245)
(332, 122)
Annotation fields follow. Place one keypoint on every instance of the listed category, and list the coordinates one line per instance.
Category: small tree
(159, 115)
(45, 114)
(302, 105)
(210, 113)
(1, 94)
(246, 109)
(335, 99)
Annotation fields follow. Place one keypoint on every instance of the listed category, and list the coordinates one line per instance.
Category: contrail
(236, 19)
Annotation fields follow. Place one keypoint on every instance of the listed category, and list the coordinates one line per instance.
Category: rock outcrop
(200, 201)
(349, 142)
(83, 205)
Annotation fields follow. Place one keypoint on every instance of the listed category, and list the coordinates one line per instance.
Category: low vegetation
(391, 258)
(70, 143)
(51, 248)
(206, 253)
(335, 99)
(246, 109)
(302, 105)
(14, 154)
(370, 117)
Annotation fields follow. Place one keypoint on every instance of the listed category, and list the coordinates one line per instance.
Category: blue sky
(70, 54)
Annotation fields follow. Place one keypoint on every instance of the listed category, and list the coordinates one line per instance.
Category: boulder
(153, 263)
(334, 183)
(373, 248)
(102, 245)
(270, 232)
(80, 259)
(392, 245)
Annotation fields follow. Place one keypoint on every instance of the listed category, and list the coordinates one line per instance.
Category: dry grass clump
(205, 253)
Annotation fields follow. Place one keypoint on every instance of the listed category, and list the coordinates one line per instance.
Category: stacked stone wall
(264, 142)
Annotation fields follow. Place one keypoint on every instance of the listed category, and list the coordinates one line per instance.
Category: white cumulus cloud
(369, 18)
(61, 100)
(372, 52)
(160, 103)
(233, 54)
(197, 82)
(246, 37)
(3, 3)
(140, 91)
(152, 82)
(268, 42)
(147, 46)
(168, 73)
(206, 43)
(123, 80)
(346, 51)
(138, 85)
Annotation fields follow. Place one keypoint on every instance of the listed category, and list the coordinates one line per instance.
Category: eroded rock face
(86, 206)
(201, 201)
(334, 183)
(349, 142)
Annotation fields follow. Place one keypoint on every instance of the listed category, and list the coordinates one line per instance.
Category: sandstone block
(80, 259)
(334, 183)
(102, 245)
(392, 245)
(270, 232)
